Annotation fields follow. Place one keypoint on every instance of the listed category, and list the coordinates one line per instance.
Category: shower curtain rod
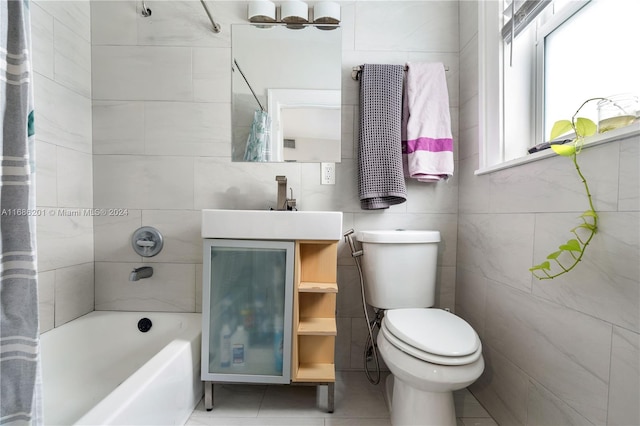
(216, 27)
(355, 71)
(146, 12)
(247, 81)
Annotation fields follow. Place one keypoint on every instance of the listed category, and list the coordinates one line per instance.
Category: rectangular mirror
(286, 98)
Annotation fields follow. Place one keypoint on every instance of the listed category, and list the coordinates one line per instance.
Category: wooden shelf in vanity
(315, 287)
(317, 327)
(314, 329)
(310, 372)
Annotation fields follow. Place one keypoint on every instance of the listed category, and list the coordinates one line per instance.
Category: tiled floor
(356, 403)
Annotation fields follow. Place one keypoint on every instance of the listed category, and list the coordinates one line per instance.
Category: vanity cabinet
(269, 313)
(246, 311)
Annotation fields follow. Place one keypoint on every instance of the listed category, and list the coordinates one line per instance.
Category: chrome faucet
(281, 203)
(284, 203)
(140, 273)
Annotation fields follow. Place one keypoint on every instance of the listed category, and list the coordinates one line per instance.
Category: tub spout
(140, 273)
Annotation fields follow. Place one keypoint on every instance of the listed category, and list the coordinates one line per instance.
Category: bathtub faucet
(140, 273)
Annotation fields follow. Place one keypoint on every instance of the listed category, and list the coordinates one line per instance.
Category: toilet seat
(432, 335)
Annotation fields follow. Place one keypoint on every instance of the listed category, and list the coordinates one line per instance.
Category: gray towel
(380, 175)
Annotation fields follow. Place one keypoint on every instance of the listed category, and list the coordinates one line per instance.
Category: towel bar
(355, 71)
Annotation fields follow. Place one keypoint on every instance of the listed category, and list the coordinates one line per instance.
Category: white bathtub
(101, 370)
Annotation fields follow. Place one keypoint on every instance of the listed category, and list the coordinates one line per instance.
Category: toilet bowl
(420, 389)
(430, 352)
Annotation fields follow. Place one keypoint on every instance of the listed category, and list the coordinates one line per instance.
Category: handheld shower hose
(370, 347)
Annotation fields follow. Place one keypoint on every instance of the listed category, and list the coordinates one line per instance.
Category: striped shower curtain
(19, 355)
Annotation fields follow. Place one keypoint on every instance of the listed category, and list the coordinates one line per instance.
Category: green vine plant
(570, 253)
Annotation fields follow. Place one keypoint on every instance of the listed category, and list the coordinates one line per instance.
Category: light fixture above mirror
(293, 13)
(263, 11)
(327, 12)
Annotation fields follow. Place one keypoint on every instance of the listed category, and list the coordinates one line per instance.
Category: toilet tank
(399, 268)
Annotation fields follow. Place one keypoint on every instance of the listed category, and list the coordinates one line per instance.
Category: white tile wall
(74, 178)
(170, 289)
(547, 409)
(502, 389)
(181, 233)
(407, 26)
(74, 292)
(64, 177)
(604, 286)
(625, 378)
(187, 129)
(72, 60)
(527, 188)
(629, 196)
(63, 240)
(125, 138)
(567, 352)
(162, 138)
(46, 300)
(158, 115)
(113, 234)
(63, 116)
(75, 15)
(143, 182)
(42, 41)
(46, 173)
(563, 351)
(133, 73)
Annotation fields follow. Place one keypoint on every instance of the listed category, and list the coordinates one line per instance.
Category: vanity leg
(330, 397)
(208, 396)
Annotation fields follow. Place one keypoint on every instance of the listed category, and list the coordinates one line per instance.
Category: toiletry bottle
(239, 347)
(225, 346)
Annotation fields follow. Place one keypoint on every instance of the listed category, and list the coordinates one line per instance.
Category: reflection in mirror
(296, 76)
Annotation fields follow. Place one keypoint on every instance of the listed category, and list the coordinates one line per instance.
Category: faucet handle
(146, 243)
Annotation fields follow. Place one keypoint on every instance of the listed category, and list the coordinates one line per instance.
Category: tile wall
(559, 352)
(61, 41)
(133, 113)
(162, 131)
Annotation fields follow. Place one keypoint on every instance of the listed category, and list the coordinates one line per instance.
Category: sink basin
(271, 225)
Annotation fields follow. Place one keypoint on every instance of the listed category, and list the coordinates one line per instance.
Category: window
(601, 40)
(564, 52)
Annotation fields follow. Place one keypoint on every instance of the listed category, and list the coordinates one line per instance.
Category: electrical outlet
(328, 173)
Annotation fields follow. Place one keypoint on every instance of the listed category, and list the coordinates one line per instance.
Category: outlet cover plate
(328, 173)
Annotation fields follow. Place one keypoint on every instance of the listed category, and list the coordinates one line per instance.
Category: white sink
(271, 225)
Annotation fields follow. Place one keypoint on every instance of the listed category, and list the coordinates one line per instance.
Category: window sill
(598, 139)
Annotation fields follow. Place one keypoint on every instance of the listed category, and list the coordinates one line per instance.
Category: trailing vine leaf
(564, 150)
(554, 255)
(575, 247)
(587, 226)
(589, 213)
(585, 127)
(543, 265)
(571, 245)
(560, 128)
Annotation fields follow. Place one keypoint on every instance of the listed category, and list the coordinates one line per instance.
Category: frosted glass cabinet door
(247, 311)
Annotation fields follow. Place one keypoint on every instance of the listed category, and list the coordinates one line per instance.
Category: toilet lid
(434, 331)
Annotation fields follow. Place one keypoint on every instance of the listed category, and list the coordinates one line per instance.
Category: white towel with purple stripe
(427, 142)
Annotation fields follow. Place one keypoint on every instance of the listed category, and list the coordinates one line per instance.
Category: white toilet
(430, 352)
